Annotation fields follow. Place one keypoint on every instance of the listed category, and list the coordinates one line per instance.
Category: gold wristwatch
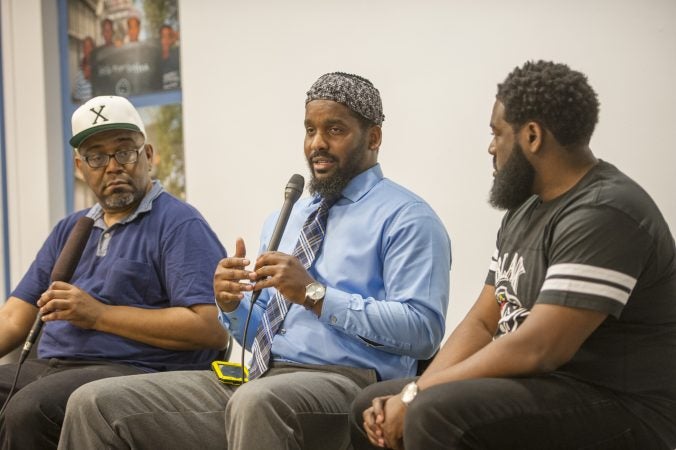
(314, 292)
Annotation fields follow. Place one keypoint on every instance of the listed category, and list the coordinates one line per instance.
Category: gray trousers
(291, 407)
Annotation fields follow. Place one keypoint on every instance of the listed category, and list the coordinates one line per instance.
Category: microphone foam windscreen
(72, 251)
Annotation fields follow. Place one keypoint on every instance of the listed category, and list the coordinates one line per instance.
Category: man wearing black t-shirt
(572, 342)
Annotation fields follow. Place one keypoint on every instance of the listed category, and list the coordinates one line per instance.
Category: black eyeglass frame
(107, 157)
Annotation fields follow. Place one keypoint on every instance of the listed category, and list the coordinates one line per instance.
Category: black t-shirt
(604, 246)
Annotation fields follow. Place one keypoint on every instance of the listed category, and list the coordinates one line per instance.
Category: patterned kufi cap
(355, 92)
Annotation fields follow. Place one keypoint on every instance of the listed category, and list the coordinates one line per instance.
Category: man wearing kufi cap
(357, 292)
(140, 298)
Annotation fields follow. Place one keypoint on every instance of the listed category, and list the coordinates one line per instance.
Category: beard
(118, 201)
(332, 186)
(513, 184)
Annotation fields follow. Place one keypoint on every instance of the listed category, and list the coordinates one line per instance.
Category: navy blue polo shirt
(163, 255)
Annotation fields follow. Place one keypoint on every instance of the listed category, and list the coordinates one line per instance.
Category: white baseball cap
(104, 113)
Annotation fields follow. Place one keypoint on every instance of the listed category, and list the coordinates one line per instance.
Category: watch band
(310, 303)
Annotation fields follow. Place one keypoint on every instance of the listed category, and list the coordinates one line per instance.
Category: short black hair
(555, 96)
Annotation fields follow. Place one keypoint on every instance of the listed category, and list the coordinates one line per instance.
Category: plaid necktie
(307, 247)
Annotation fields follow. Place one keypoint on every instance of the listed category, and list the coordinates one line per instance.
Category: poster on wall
(129, 48)
(123, 47)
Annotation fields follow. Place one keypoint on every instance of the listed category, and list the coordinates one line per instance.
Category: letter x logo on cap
(102, 114)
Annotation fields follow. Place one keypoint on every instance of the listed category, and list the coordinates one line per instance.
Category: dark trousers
(33, 417)
(547, 412)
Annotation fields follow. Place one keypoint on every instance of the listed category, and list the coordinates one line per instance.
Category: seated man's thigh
(31, 370)
(182, 409)
(310, 408)
(517, 413)
(35, 413)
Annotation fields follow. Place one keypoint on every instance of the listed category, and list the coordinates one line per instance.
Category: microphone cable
(292, 192)
(11, 391)
(246, 331)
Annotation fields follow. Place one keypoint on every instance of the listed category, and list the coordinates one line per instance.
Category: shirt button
(334, 319)
(106, 235)
(282, 331)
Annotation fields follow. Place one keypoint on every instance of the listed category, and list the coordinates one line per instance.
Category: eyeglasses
(98, 160)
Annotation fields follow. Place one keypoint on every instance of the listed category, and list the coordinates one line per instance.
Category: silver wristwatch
(409, 392)
(314, 292)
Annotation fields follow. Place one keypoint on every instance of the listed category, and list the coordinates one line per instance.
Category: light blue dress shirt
(386, 262)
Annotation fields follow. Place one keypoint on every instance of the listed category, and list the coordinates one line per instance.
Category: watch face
(409, 392)
(315, 291)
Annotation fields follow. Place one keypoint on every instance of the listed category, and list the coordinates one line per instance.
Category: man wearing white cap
(140, 299)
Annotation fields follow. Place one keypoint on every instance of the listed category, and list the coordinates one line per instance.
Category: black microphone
(63, 270)
(292, 192)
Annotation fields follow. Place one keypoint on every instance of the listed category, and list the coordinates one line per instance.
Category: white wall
(247, 65)
(35, 168)
(35, 175)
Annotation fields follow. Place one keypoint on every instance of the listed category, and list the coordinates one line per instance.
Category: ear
(78, 161)
(149, 151)
(375, 137)
(531, 136)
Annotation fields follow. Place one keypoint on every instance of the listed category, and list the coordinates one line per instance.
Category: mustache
(116, 181)
(321, 154)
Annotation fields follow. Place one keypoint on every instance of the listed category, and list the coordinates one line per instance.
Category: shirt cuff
(231, 319)
(334, 307)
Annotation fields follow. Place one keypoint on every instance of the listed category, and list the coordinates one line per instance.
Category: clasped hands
(272, 269)
(384, 422)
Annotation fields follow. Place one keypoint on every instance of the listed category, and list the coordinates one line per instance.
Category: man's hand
(283, 272)
(384, 422)
(228, 288)
(373, 421)
(63, 301)
(393, 425)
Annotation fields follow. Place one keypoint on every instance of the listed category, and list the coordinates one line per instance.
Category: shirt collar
(96, 211)
(358, 186)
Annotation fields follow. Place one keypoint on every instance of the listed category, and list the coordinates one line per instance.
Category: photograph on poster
(122, 47)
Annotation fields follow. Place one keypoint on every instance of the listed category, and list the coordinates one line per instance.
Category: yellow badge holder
(230, 373)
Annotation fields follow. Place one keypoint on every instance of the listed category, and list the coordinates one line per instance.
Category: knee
(20, 413)
(432, 421)
(91, 399)
(364, 399)
(31, 411)
(82, 398)
(248, 401)
(362, 402)
(356, 420)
